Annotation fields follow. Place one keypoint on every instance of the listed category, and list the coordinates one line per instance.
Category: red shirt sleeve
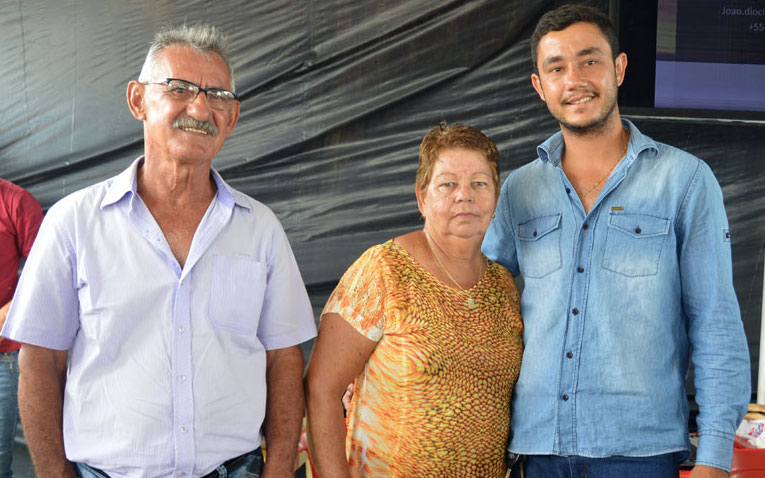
(27, 216)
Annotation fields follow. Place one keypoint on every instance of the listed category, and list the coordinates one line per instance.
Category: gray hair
(202, 37)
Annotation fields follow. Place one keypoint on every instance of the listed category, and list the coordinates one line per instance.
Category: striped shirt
(167, 364)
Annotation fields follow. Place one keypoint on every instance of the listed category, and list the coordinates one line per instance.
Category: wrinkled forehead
(208, 69)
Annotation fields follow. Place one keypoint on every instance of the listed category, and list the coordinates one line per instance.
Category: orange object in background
(304, 456)
(748, 462)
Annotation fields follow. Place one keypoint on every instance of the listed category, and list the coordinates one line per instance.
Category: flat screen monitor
(702, 58)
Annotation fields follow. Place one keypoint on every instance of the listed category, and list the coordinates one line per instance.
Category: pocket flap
(639, 225)
(537, 228)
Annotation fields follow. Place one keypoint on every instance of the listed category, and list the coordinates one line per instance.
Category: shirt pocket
(539, 240)
(634, 242)
(237, 288)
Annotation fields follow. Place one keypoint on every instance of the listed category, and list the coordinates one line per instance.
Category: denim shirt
(616, 302)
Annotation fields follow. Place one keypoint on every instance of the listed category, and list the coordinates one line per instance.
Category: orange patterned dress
(433, 399)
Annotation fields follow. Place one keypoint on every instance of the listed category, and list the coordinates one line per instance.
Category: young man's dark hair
(565, 16)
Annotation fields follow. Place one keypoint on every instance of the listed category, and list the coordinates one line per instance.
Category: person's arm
(338, 357)
(27, 216)
(284, 410)
(499, 241)
(3, 314)
(41, 400)
(719, 348)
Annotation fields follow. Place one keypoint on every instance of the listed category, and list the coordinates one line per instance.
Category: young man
(176, 298)
(624, 248)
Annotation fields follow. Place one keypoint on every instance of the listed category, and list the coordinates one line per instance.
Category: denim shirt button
(534, 234)
(575, 311)
(569, 355)
(585, 226)
(565, 397)
(568, 190)
(638, 230)
(580, 269)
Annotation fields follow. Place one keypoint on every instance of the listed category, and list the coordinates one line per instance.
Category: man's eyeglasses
(186, 91)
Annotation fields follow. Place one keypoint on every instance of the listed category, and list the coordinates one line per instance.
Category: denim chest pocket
(237, 288)
(539, 240)
(634, 242)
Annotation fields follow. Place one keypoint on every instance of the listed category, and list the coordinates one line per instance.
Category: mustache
(188, 122)
(579, 93)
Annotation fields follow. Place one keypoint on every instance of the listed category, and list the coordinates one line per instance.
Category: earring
(493, 216)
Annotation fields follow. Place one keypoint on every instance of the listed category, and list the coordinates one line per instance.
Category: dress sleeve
(360, 296)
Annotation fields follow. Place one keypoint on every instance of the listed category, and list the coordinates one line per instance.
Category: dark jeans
(553, 466)
(252, 467)
(9, 411)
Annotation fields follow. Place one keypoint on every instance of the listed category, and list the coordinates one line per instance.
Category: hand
(347, 396)
(703, 471)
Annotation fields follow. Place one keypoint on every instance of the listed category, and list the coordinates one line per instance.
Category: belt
(229, 465)
(232, 464)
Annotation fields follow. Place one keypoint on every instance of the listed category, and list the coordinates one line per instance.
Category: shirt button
(180, 330)
(569, 355)
(580, 269)
(182, 378)
(184, 429)
(534, 234)
(565, 397)
(638, 230)
(568, 190)
(585, 226)
(575, 311)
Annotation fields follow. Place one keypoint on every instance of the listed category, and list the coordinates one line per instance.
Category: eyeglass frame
(199, 88)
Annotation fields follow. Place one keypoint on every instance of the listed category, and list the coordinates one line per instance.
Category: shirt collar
(551, 150)
(125, 184)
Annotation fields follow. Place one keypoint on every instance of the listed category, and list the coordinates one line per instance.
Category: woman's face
(461, 197)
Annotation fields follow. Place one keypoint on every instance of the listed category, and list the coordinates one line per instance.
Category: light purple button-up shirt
(167, 364)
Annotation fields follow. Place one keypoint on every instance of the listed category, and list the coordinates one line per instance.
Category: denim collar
(551, 150)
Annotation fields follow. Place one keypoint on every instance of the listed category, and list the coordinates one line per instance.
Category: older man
(176, 298)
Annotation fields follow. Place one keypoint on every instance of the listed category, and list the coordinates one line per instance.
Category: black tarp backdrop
(336, 95)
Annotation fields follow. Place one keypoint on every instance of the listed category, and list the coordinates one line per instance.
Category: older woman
(428, 329)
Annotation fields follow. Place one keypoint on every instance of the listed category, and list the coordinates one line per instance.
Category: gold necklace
(584, 195)
(470, 301)
(589, 191)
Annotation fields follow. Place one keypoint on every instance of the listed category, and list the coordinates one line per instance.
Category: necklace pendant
(471, 303)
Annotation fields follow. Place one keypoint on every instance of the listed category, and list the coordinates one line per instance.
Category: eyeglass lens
(217, 98)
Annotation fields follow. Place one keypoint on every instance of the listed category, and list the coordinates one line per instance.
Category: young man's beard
(594, 127)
